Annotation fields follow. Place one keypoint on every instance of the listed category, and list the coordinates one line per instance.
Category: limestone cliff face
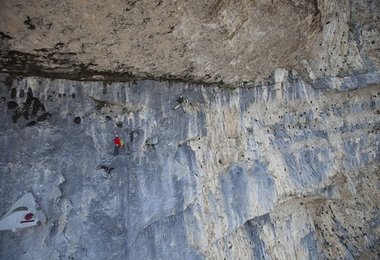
(252, 128)
(288, 170)
(204, 41)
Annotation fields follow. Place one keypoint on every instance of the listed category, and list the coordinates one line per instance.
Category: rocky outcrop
(286, 170)
(252, 128)
(193, 41)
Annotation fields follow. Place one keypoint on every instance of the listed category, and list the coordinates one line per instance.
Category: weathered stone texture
(283, 171)
(203, 41)
(276, 158)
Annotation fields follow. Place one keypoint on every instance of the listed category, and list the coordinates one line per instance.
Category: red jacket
(117, 141)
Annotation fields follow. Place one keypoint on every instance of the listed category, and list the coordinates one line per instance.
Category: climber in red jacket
(117, 142)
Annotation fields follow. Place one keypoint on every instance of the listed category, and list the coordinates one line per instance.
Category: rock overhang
(204, 41)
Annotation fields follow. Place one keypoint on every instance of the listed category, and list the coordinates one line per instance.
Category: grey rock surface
(288, 170)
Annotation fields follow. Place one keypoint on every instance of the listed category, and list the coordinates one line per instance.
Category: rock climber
(117, 142)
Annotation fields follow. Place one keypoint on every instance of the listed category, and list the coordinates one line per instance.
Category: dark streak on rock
(104, 88)
(26, 64)
(43, 117)
(28, 22)
(12, 104)
(32, 123)
(29, 109)
(8, 81)
(22, 93)
(99, 104)
(4, 36)
(13, 93)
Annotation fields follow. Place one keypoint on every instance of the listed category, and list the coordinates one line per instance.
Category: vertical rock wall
(287, 170)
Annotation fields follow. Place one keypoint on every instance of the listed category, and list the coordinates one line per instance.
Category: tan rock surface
(206, 41)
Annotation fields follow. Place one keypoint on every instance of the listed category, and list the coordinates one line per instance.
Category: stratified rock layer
(195, 41)
(287, 170)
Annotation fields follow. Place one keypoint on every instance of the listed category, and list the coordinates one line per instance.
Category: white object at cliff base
(24, 213)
